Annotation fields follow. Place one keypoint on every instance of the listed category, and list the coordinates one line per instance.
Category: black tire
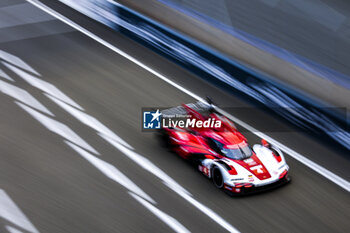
(217, 178)
(164, 139)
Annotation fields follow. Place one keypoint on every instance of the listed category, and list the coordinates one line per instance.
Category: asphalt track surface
(61, 191)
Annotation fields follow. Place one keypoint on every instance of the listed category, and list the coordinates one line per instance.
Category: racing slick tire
(164, 139)
(217, 177)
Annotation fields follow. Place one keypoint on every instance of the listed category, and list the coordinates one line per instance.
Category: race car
(220, 151)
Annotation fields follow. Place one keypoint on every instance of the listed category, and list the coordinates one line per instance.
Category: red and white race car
(221, 152)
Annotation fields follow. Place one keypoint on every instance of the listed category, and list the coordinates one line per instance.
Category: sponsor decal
(250, 178)
(250, 161)
(237, 179)
(204, 169)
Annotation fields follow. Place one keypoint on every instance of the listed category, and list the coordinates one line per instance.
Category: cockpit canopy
(238, 151)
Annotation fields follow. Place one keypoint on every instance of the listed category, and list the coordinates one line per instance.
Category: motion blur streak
(110, 46)
(11, 59)
(12, 230)
(89, 121)
(267, 93)
(145, 163)
(107, 169)
(173, 223)
(23, 96)
(10, 212)
(121, 145)
(44, 86)
(58, 128)
(148, 165)
(317, 168)
(4, 75)
(111, 172)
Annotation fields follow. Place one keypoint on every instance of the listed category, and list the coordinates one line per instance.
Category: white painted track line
(23, 96)
(173, 185)
(77, 144)
(307, 162)
(13, 214)
(170, 221)
(58, 128)
(111, 172)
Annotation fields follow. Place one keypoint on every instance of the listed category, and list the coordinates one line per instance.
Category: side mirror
(209, 100)
(211, 103)
(265, 143)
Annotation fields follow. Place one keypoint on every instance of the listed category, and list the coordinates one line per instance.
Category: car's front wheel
(217, 178)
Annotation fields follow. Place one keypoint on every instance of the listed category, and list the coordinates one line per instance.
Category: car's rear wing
(199, 106)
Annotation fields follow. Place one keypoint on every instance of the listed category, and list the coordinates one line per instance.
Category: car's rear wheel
(164, 139)
(218, 180)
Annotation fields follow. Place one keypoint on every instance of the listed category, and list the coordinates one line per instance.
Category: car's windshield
(237, 153)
